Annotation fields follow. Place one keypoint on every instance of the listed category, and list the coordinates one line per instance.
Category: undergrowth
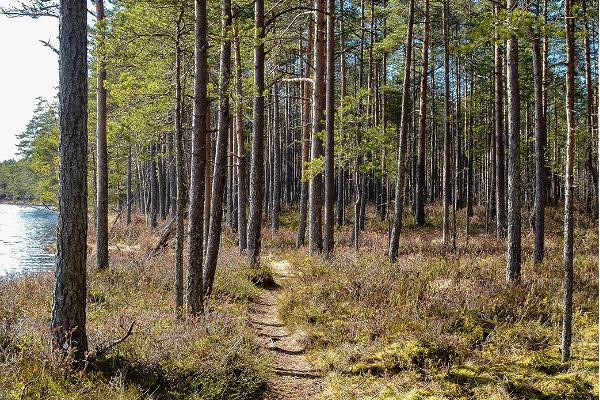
(445, 325)
(214, 357)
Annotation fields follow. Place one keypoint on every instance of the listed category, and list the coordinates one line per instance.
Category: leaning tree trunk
(258, 126)
(513, 258)
(399, 197)
(102, 175)
(218, 183)
(568, 227)
(67, 325)
(196, 204)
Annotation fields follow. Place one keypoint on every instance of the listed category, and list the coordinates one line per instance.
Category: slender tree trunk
(499, 136)
(154, 190)
(513, 259)
(207, 172)
(328, 242)
(399, 198)
(420, 188)
(257, 159)
(218, 183)
(102, 188)
(315, 185)
(592, 191)
(568, 227)
(68, 319)
(241, 153)
(162, 184)
(198, 164)
(179, 160)
(305, 136)
(129, 198)
(340, 206)
(172, 174)
(447, 131)
(276, 193)
(539, 201)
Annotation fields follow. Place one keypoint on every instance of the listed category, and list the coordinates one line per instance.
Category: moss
(414, 354)
(473, 329)
(545, 363)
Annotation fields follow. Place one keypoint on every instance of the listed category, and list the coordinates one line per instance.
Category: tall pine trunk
(198, 164)
(258, 125)
(68, 319)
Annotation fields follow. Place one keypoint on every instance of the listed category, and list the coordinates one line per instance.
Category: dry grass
(212, 358)
(440, 324)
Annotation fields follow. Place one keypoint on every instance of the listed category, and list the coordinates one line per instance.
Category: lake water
(25, 233)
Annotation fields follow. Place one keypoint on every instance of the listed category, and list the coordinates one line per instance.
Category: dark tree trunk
(129, 198)
(162, 184)
(305, 136)
(102, 188)
(399, 199)
(568, 227)
(172, 175)
(241, 154)
(420, 187)
(179, 160)
(499, 135)
(276, 192)
(218, 183)
(196, 204)
(315, 185)
(68, 319)
(540, 134)
(513, 259)
(446, 182)
(328, 242)
(153, 188)
(257, 157)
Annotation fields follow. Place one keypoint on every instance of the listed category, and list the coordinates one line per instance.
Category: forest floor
(292, 376)
(438, 324)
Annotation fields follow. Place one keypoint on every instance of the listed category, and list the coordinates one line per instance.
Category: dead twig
(106, 346)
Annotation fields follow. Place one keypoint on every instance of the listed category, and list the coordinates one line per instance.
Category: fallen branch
(105, 347)
(162, 240)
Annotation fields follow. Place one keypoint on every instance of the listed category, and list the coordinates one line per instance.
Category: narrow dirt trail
(292, 376)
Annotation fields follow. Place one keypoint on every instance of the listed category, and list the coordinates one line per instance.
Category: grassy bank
(440, 325)
(214, 358)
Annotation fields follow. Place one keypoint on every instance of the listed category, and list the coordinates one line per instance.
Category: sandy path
(292, 377)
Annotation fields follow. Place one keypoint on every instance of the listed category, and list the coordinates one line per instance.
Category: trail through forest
(292, 375)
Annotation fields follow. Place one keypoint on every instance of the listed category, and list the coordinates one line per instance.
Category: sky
(28, 70)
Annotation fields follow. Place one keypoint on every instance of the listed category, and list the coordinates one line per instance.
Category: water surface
(25, 234)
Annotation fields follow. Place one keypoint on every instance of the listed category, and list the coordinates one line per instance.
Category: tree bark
(218, 183)
(399, 197)
(68, 318)
(196, 204)
(101, 147)
(179, 160)
(241, 153)
(447, 132)
(257, 159)
(315, 185)
(328, 241)
(499, 136)
(305, 136)
(513, 259)
(539, 201)
(420, 187)
(276, 192)
(568, 221)
(129, 198)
